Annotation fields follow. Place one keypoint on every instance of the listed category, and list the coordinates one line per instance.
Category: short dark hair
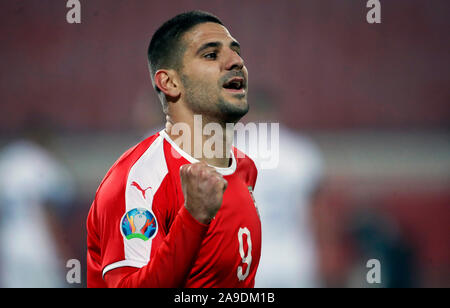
(166, 49)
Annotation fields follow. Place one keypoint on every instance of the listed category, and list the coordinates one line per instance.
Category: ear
(167, 82)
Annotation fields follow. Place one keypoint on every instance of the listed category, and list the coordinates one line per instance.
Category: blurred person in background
(377, 236)
(36, 190)
(284, 196)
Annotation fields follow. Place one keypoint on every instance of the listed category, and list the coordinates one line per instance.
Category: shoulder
(139, 168)
(301, 156)
(246, 167)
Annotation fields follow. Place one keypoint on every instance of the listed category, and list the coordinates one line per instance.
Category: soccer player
(162, 218)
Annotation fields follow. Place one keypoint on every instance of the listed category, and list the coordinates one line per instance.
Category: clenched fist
(203, 189)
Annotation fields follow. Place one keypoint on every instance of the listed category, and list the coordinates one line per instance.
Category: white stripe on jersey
(148, 171)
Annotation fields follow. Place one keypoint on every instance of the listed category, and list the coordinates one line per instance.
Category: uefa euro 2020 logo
(138, 223)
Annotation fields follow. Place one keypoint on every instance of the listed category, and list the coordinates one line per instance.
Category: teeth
(234, 85)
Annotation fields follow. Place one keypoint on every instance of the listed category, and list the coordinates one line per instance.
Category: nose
(234, 61)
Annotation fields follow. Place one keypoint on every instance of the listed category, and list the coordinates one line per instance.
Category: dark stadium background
(374, 97)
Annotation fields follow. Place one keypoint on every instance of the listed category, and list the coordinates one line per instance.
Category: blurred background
(364, 140)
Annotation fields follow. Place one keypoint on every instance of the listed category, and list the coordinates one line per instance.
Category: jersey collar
(224, 171)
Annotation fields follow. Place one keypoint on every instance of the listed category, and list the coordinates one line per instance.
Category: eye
(211, 55)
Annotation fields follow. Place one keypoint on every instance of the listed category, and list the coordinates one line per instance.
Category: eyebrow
(234, 44)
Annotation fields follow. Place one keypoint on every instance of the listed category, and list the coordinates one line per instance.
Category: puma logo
(135, 184)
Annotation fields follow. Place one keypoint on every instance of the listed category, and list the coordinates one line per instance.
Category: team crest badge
(138, 223)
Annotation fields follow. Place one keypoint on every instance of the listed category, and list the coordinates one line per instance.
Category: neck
(202, 138)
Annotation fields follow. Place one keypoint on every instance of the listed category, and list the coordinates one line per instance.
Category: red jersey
(138, 220)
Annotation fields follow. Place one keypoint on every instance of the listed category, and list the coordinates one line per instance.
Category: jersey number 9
(246, 259)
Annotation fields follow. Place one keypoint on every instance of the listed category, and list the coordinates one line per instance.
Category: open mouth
(236, 84)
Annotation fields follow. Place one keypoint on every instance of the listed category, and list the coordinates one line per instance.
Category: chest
(231, 249)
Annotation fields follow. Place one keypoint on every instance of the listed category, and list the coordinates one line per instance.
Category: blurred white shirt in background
(283, 197)
(30, 178)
